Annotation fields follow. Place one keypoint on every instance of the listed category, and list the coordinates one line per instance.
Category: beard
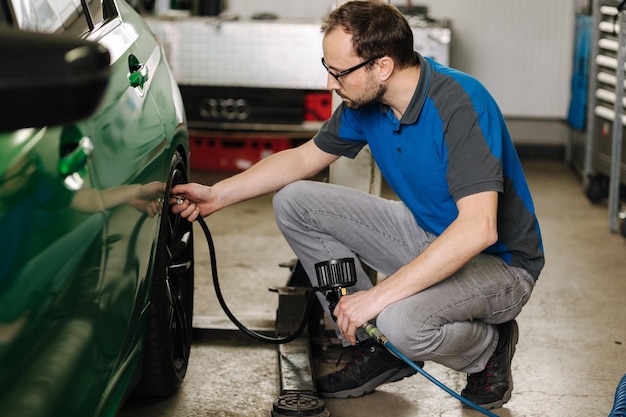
(373, 93)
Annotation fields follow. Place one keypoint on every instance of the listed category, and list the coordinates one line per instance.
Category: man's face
(357, 87)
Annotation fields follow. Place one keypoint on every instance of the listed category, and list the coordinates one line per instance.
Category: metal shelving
(604, 161)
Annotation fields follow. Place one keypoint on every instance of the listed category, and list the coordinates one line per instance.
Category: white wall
(283, 8)
(521, 50)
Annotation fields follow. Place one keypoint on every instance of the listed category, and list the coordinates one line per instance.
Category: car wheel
(168, 340)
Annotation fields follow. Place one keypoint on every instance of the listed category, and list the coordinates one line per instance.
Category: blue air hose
(619, 406)
(376, 334)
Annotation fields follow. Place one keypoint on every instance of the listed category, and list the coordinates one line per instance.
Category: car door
(136, 134)
(82, 210)
(130, 156)
(53, 232)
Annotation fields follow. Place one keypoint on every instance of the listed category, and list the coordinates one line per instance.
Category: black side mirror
(49, 79)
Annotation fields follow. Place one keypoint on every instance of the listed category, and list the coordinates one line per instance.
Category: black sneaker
(492, 387)
(370, 366)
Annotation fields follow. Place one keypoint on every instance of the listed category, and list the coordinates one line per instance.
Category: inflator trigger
(333, 277)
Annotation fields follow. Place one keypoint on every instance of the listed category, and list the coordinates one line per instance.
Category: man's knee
(406, 332)
(293, 200)
(294, 190)
(412, 331)
(285, 197)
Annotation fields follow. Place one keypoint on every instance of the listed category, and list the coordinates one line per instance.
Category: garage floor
(570, 357)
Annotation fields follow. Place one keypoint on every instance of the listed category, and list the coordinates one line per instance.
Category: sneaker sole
(370, 386)
(507, 395)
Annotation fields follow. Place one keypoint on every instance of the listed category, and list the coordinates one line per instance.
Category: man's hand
(354, 310)
(192, 200)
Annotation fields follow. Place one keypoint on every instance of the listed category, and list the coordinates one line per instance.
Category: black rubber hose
(218, 292)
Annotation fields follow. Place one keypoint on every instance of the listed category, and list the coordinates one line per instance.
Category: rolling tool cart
(604, 162)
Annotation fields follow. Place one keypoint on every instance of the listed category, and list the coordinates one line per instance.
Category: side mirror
(48, 79)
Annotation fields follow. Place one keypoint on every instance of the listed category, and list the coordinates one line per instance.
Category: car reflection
(33, 203)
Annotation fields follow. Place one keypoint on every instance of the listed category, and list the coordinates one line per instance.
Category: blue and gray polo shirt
(451, 142)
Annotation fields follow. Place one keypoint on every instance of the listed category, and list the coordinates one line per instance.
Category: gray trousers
(452, 322)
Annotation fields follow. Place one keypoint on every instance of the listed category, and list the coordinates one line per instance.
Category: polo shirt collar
(419, 96)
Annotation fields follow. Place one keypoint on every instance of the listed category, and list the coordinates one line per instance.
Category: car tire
(168, 340)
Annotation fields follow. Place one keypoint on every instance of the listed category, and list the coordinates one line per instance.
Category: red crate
(220, 153)
(318, 105)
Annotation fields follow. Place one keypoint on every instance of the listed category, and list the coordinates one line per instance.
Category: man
(461, 250)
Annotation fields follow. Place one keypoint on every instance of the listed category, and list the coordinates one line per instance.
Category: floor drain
(298, 404)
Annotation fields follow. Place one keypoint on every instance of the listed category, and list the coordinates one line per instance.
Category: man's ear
(386, 66)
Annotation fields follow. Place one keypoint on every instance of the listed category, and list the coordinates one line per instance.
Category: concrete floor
(570, 357)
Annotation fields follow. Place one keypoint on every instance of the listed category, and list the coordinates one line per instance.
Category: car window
(57, 16)
(95, 9)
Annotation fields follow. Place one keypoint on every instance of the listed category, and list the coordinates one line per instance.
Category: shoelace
(358, 353)
(480, 380)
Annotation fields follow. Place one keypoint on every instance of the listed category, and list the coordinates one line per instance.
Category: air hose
(619, 406)
(380, 338)
(218, 292)
(333, 277)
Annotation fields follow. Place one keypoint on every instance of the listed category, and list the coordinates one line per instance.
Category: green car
(96, 274)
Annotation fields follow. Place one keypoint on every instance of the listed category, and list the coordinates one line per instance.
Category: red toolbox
(215, 152)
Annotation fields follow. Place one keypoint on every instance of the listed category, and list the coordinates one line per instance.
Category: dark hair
(377, 29)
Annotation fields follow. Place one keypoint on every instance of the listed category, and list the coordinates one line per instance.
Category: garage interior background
(522, 51)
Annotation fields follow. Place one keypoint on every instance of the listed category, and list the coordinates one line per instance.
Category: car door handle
(138, 72)
(74, 161)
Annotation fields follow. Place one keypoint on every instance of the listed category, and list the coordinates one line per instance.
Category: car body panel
(78, 249)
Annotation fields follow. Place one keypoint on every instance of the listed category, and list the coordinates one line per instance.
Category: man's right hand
(191, 200)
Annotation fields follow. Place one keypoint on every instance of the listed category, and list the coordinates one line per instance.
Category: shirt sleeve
(474, 142)
(339, 135)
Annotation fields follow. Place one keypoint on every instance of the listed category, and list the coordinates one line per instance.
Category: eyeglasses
(336, 75)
